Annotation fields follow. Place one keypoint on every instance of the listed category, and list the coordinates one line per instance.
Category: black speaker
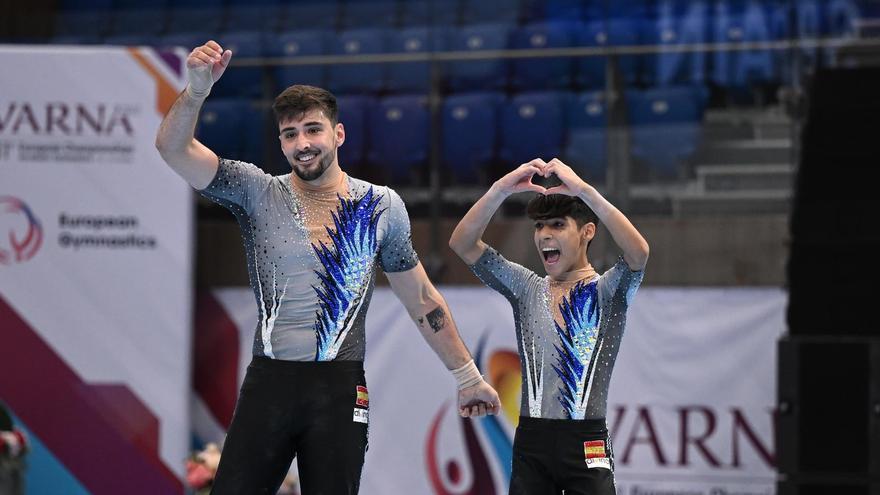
(831, 270)
(828, 421)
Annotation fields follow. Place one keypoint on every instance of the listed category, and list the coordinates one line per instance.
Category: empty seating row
(691, 25)
(129, 16)
(480, 131)
(126, 17)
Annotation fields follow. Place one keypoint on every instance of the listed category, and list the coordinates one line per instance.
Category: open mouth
(551, 256)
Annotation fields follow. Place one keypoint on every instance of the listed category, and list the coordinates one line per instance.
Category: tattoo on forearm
(436, 319)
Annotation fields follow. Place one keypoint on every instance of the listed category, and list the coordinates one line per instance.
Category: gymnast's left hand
(572, 185)
(478, 400)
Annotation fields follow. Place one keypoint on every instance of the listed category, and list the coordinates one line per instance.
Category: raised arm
(175, 140)
(430, 312)
(466, 239)
(634, 246)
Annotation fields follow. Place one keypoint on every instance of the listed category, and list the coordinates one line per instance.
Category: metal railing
(618, 164)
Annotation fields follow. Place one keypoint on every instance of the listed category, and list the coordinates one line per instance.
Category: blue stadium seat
(741, 69)
(533, 126)
(413, 77)
(255, 133)
(236, 128)
(132, 40)
(241, 81)
(309, 14)
(780, 16)
(586, 142)
(83, 18)
(418, 13)
(470, 134)
(614, 32)
(842, 21)
(353, 113)
(843, 15)
(298, 44)
(134, 17)
(676, 8)
(674, 26)
(554, 10)
(195, 15)
(353, 78)
(253, 15)
(631, 9)
(496, 11)
(398, 129)
(810, 21)
(665, 126)
(478, 74)
(359, 14)
(220, 126)
(542, 73)
(187, 41)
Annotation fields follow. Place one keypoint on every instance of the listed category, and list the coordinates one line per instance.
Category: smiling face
(309, 143)
(562, 245)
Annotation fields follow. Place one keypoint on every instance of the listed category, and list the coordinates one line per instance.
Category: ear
(588, 231)
(340, 134)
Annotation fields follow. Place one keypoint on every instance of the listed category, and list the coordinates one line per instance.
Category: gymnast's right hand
(520, 179)
(204, 66)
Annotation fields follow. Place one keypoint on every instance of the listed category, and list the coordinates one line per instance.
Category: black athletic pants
(314, 411)
(552, 455)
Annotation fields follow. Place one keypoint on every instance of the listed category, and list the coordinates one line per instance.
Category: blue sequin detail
(581, 317)
(348, 265)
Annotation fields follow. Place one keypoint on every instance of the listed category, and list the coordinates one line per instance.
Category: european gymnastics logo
(23, 232)
(493, 448)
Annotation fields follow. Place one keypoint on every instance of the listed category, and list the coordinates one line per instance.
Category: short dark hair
(542, 207)
(298, 99)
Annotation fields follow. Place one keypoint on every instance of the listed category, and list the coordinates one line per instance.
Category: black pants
(552, 455)
(315, 411)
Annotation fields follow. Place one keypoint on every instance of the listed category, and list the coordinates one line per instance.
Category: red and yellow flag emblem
(594, 449)
(363, 398)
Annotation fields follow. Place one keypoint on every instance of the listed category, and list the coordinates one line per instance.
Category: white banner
(95, 263)
(690, 406)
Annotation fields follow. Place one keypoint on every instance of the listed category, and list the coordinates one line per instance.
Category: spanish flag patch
(363, 398)
(594, 449)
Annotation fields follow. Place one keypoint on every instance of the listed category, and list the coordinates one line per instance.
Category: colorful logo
(594, 455)
(363, 398)
(24, 234)
(496, 449)
(594, 449)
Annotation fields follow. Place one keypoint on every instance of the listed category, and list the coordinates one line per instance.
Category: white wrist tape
(468, 375)
(199, 95)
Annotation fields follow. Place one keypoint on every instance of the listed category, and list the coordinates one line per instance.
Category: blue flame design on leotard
(581, 317)
(348, 266)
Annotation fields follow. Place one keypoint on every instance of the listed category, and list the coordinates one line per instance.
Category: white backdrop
(690, 407)
(95, 263)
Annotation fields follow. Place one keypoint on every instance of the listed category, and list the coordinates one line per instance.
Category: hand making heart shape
(520, 179)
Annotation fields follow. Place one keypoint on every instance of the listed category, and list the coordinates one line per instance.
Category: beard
(323, 164)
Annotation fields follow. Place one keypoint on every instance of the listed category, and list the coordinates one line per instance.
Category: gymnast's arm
(466, 239)
(427, 307)
(175, 140)
(635, 247)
